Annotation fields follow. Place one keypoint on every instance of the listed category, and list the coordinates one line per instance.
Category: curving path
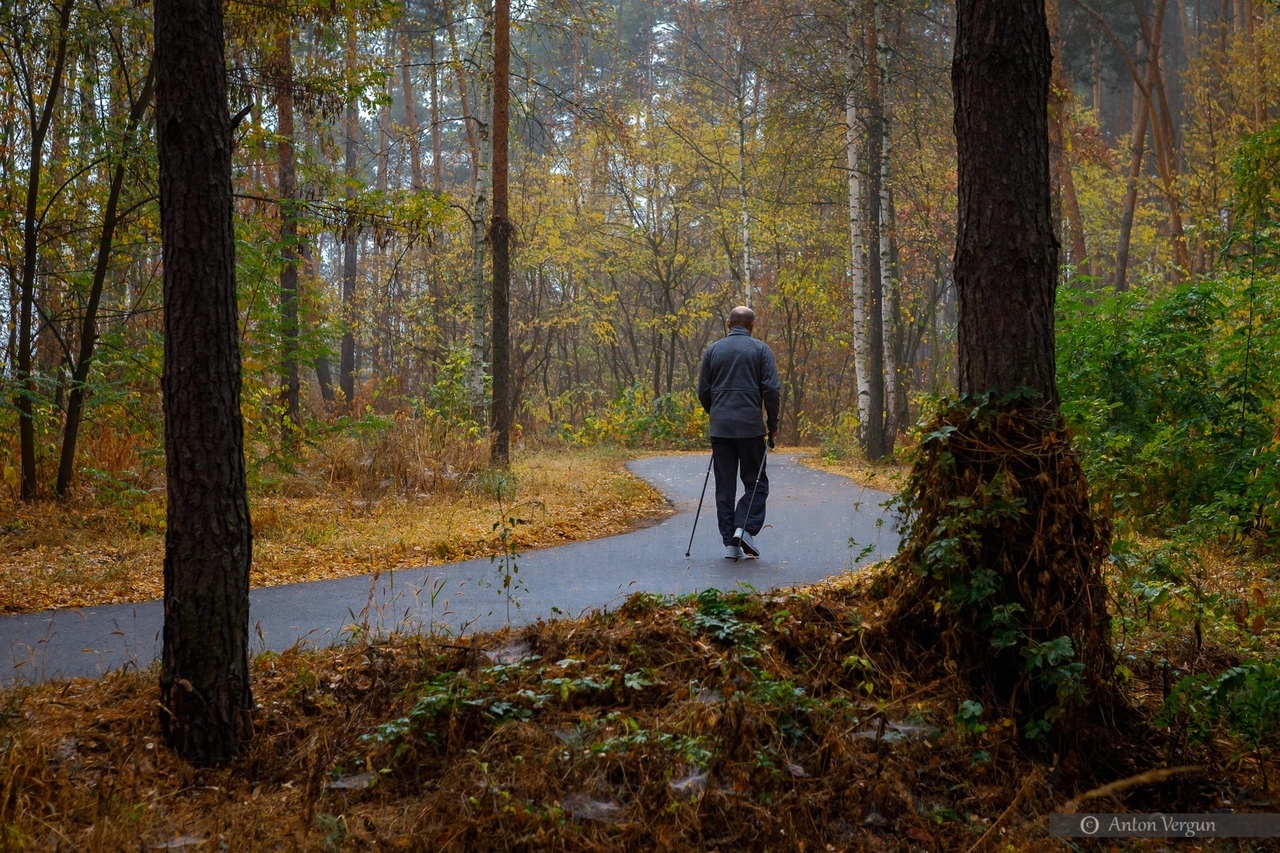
(812, 516)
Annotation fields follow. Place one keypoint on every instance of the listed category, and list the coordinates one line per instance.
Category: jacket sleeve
(770, 390)
(704, 381)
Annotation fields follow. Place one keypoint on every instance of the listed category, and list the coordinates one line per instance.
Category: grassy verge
(53, 555)
(887, 476)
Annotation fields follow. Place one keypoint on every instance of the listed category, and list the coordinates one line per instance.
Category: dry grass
(53, 555)
(885, 476)
(730, 723)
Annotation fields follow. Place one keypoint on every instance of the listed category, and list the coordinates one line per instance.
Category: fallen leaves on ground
(724, 721)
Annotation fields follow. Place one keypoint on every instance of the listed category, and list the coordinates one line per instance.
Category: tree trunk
(437, 168)
(1151, 84)
(412, 128)
(288, 188)
(1137, 149)
(480, 219)
(861, 332)
(1060, 97)
(347, 366)
(468, 120)
(1006, 254)
(891, 315)
(873, 430)
(501, 236)
(205, 698)
(1003, 555)
(744, 213)
(25, 398)
(89, 324)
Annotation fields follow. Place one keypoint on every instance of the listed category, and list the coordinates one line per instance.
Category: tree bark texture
(1006, 254)
(858, 269)
(205, 697)
(501, 237)
(480, 288)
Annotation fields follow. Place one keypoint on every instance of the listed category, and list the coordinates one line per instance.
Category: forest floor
(54, 555)
(725, 721)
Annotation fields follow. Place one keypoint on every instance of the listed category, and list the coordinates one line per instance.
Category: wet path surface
(812, 518)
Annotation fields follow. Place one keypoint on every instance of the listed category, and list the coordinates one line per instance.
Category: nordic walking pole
(738, 533)
(699, 512)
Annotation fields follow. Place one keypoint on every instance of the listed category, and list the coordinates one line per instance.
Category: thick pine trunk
(1003, 553)
(1006, 258)
(205, 698)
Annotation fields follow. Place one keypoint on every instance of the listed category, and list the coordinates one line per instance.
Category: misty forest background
(668, 160)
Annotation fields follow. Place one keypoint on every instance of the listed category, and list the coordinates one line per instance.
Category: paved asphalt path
(812, 515)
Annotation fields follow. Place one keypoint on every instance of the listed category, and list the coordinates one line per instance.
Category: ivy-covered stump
(1001, 566)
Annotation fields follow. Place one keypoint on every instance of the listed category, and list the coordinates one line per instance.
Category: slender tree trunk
(480, 287)
(1255, 56)
(742, 180)
(288, 186)
(1164, 135)
(1095, 66)
(324, 373)
(861, 333)
(412, 128)
(891, 319)
(1060, 98)
(205, 698)
(348, 366)
(501, 235)
(1151, 85)
(468, 120)
(437, 168)
(873, 431)
(25, 398)
(1137, 149)
(89, 325)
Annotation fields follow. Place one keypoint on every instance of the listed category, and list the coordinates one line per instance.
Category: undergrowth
(725, 720)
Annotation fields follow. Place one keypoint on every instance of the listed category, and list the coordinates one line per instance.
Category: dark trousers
(732, 458)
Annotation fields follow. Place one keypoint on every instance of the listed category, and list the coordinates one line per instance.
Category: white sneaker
(732, 552)
(748, 545)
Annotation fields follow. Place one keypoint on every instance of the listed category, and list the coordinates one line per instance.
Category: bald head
(741, 316)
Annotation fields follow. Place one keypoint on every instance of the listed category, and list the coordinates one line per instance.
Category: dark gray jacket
(739, 376)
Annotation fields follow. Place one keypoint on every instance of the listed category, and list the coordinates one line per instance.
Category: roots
(1000, 569)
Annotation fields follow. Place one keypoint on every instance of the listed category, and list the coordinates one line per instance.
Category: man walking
(738, 379)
